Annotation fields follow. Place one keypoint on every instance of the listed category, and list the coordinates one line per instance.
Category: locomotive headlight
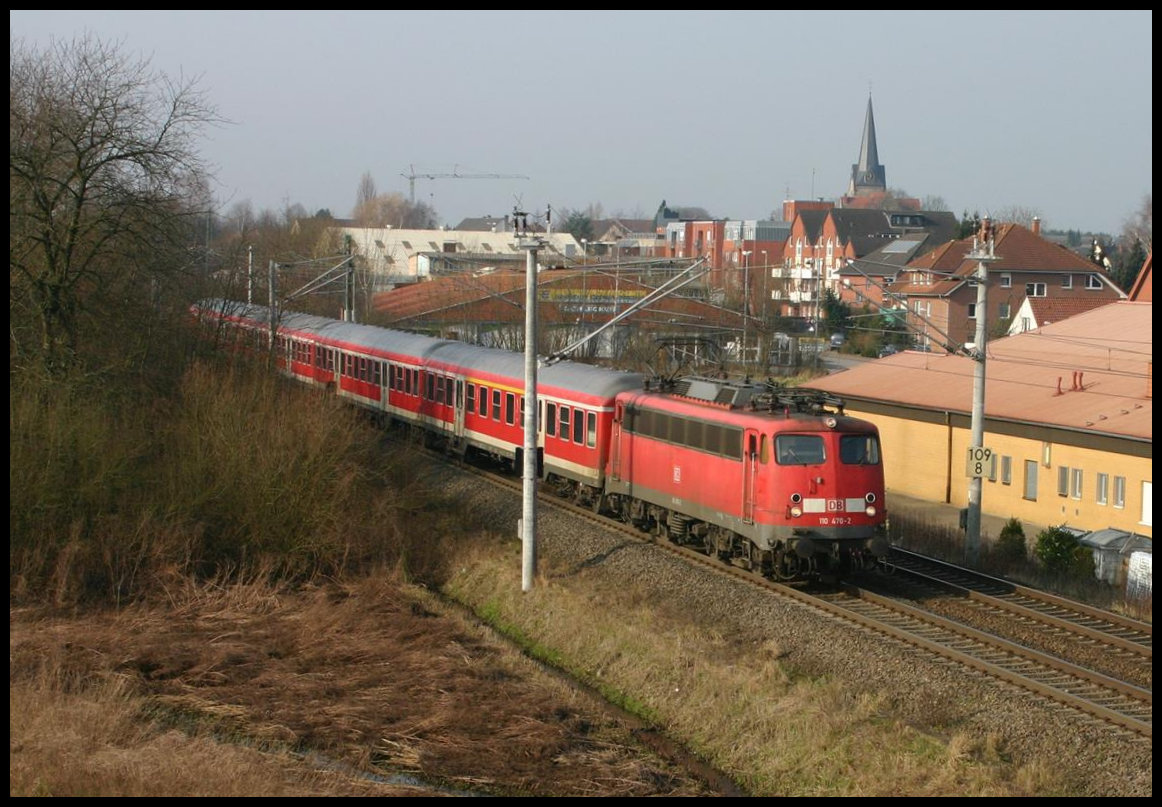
(796, 511)
(871, 497)
(829, 422)
(870, 509)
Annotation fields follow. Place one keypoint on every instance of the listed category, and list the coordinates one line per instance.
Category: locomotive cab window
(859, 449)
(799, 449)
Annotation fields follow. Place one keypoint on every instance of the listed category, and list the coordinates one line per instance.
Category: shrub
(1010, 544)
(1060, 552)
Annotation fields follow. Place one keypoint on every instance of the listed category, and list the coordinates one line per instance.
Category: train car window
(459, 391)
(799, 449)
(439, 389)
(764, 450)
(591, 430)
(470, 397)
(380, 372)
(522, 411)
(551, 419)
(509, 408)
(431, 384)
(496, 405)
(579, 427)
(540, 415)
(751, 446)
(564, 432)
(859, 449)
(484, 402)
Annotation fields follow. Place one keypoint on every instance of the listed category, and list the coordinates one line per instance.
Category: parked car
(836, 340)
(888, 350)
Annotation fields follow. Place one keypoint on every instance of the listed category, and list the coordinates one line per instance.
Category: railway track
(1117, 703)
(1119, 633)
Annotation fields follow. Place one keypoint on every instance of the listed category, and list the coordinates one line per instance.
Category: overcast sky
(732, 112)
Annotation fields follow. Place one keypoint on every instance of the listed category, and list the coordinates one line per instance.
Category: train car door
(750, 469)
(458, 411)
(615, 447)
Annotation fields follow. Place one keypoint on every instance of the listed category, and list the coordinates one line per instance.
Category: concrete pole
(983, 254)
(528, 527)
(745, 306)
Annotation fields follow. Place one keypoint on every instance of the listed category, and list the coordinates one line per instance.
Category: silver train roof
(567, 375)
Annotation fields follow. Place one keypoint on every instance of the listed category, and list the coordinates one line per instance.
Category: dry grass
(326, 691)
(733, 700)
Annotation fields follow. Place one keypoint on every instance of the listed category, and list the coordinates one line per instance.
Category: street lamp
(585, 249)
(745, 299)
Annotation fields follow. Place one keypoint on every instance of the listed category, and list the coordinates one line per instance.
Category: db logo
(677, 473)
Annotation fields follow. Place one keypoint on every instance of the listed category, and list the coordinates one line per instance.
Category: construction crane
(412, 176)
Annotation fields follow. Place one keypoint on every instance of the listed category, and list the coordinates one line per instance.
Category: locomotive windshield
(799, 449)
(859, 449)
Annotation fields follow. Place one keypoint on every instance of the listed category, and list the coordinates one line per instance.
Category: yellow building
(1067, 422)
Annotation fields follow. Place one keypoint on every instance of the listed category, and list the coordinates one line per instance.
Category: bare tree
(366, 191)
(1140, 226)
(104, 186)
(393, 210)
(1017, 214)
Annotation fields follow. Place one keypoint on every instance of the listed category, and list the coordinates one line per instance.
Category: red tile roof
(1091, 372)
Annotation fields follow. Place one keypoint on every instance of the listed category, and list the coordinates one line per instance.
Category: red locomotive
(773, 479)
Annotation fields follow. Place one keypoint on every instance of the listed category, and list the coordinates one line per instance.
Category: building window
(972, 310)
(1092, 282)
(1063, 481)
(1067, 281)
(1035, 290)
(1030, 480)
(1046, 454)
(1147, 515)
(1006, 470)
(1102, 491)
(1075, 484)
(1006, 280)
(1004, 311)
(1119, 492)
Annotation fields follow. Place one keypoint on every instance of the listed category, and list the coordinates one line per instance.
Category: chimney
(1036, 225)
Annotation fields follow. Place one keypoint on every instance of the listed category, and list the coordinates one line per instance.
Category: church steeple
(867, 176)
